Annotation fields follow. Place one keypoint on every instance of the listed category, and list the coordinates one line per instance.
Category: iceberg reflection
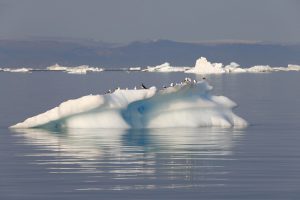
(164, 158)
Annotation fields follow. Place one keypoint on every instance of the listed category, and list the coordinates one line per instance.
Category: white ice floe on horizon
(165, 67)
(289, 68)
(82, 69)
(234, 67)
(187, 104)
(260, 68)
(57, 67)
(294, 67)
(135, 69)
(203, 66)
(16, 70)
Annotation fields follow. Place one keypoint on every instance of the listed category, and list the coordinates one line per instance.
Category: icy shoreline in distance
(165, 67)
(188, 104)
(82, 69)
(202, 66)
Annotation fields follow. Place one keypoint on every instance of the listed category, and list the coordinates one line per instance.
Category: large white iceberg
(203, 66)
(188, 104)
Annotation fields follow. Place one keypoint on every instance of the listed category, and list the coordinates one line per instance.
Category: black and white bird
(108, 92)
(143, 86)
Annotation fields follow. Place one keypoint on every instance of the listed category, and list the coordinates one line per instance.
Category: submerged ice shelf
(188, 104)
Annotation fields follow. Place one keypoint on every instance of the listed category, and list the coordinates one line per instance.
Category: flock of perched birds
(186, 80)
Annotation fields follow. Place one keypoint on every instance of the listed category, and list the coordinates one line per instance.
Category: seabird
(108, 91)
(143, 86)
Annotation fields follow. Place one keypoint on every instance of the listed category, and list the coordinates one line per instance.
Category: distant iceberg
(57, 67)
(188, 104)
(16, 70)
(294, 67)
(165, 67)
(202, 66)
(82, 69)
(289, 68)
(134, 69)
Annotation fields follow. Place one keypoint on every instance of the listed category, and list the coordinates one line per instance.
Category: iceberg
(57, 67)
(234, 67)
(165, 67)
(17, 70)
(82, 69)
(134, 69)
(260, 68)
(188, 104)
(203, 66)
(293, 67)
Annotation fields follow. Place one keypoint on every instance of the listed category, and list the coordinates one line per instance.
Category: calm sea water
(259, 162)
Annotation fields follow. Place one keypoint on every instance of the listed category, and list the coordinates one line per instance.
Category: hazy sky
(129, 20)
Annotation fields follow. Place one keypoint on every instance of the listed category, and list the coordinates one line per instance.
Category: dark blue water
(259, 162)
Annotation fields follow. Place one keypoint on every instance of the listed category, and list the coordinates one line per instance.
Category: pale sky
(124, 21)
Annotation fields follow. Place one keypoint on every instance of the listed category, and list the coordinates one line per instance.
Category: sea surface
(259, 162)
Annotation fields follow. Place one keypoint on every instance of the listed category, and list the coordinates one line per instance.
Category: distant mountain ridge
(43, 53)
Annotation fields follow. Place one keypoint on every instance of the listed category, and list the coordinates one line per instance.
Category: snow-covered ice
(16, 70)
(165, 67)
(289, 68)
(260, 68)
(294, 67)
(203, 66)
(82, 69)
(135, 69)
(188, 104)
